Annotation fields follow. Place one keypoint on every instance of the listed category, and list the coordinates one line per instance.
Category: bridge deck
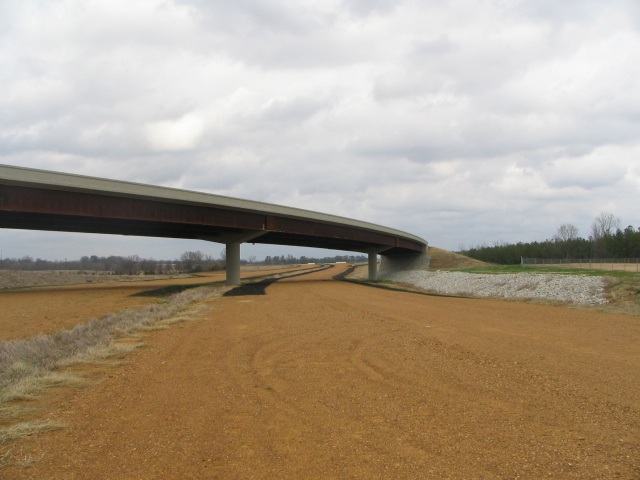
(43, 200)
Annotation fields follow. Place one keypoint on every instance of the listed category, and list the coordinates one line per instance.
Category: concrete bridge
(44, 200)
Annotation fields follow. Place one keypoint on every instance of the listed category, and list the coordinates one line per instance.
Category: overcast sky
(463, 122)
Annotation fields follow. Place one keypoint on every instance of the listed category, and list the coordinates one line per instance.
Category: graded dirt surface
(321, 379)
(30, 311)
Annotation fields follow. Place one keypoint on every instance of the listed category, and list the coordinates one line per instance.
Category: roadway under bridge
(44, 200)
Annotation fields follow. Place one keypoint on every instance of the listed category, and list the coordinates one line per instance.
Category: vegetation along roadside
(28, 366)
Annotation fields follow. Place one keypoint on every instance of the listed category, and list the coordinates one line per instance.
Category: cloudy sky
(464, 122)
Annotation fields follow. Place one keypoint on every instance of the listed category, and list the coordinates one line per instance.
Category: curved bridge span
(44, 200)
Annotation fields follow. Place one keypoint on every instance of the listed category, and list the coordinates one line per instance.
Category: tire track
(321, 379)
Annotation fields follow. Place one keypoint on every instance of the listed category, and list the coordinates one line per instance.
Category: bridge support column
(373, 261)
(373, 266)
(233, 263)
(232, 242)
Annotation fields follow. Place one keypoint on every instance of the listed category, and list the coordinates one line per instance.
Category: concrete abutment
(390, 264)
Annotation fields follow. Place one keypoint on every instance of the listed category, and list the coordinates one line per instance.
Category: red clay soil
(320, 379)
(29, 312)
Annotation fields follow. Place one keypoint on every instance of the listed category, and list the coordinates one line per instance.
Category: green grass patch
(501, 269)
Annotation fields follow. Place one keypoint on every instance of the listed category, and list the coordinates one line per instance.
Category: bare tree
(192, 261)
(602, 227)
(566, 232)
(604, 224)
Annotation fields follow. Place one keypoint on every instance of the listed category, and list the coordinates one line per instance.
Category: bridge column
(233, 263)
(232, 242)
(373, 261)
(373, 266)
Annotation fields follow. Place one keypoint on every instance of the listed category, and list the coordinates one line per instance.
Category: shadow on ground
(259, 288)
(254, 288)
(173, 289)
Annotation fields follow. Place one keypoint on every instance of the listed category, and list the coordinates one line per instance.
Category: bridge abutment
(390, 264)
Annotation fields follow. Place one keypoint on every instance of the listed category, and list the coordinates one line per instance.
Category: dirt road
(319, 379)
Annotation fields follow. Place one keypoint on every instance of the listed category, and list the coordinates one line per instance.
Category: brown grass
(623, 294)
(612, 267)
(14, 279)
(19, 430)
(444, 259)
(29, 366)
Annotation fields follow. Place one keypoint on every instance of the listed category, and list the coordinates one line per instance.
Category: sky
(466, 122)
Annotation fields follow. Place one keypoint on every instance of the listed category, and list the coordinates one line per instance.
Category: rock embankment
(579, 289)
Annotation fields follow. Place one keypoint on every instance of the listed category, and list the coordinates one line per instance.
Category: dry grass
(445, 260)
(609, 267)
(19, 430)
(18, 457)
(31, 358)
(28, 366)
(14, 279)
(623, 294)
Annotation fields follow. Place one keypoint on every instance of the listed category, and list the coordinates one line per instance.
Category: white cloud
(175, 135)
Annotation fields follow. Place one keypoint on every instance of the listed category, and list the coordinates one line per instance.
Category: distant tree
(566, 233)
(149, 267)
(192, 261)
(565, 240)
(128, 265)
(603, 227)
(604, 224)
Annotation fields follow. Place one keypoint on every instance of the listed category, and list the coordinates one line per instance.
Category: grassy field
(498, 269)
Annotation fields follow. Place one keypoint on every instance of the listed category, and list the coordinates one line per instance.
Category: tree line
(291, 260)
(606, 240)
(189, 262)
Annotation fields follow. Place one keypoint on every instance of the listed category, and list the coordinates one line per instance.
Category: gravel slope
(579, 289)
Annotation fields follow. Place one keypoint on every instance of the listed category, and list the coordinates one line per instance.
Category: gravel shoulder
(576, 289)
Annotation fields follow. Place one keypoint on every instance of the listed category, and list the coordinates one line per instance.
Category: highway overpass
(45, 200)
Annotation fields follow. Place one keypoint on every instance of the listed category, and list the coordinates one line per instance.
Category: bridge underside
(37, 208)
(61, 223)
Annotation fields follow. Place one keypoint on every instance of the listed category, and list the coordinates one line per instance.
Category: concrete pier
(233, 263)
(373, 266)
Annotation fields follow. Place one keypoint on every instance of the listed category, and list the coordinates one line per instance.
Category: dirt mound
(441, 259)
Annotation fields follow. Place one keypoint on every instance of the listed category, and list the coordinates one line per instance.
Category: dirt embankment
(444, 259)
(322, 379)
